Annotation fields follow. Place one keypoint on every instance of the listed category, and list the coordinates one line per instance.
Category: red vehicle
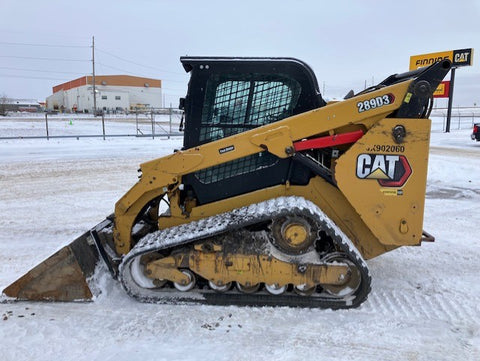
(476, 132)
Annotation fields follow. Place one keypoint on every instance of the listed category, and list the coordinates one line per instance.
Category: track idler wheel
(353, 281)
(186, 286)
(137, 269)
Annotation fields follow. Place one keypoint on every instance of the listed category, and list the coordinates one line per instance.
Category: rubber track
(230, 221)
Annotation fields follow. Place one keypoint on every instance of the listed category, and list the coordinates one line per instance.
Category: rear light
(476, 128)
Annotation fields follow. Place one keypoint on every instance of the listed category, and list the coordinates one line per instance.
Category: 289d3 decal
(376, 102)
(390, 170)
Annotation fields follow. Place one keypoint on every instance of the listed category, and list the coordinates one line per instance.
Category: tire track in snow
(415, 305)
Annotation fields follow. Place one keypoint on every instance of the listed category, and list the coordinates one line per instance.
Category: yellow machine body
(377, 218)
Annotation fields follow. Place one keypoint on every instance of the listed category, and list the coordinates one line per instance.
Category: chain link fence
(461, 118)
(151, 122)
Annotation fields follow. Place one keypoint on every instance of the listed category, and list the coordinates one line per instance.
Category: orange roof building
(113, 92)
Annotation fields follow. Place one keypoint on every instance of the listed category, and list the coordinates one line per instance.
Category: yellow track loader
(276, 198)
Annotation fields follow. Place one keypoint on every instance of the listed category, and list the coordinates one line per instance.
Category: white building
(113, 92)
(19, 105)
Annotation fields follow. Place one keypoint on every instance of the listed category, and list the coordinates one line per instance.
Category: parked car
(476, 132)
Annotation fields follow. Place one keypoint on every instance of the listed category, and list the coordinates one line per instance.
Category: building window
(104, 97)
(117, 97)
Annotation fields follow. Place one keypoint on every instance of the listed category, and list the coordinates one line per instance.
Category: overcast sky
(347, 43)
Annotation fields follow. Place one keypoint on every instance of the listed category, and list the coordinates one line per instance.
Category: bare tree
(3, 104)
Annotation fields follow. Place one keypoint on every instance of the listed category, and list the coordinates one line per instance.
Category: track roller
(188, 285)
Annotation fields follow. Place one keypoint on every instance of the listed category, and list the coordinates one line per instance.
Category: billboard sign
(460, 57)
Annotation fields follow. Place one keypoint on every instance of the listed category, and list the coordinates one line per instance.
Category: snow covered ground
(424, 303)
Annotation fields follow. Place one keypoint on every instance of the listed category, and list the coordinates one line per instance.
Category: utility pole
(93, 77)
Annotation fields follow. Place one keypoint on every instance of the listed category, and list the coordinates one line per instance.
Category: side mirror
(181, 105)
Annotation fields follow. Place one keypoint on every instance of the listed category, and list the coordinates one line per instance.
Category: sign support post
(450, 101)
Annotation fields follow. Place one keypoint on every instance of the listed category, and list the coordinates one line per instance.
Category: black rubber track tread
(230, 221)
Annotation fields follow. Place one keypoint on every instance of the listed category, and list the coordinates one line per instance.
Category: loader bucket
(61, 277)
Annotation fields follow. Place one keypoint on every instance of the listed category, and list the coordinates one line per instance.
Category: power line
(30, 77)
(44, 45)
(115, 68)
(81, 47)
(50, 59)
(125, 60)
(78, 60)
(135, 74)
(177, 91)
(135, 63)
(41, 71)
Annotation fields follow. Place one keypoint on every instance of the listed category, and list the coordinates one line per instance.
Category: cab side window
(235, 105)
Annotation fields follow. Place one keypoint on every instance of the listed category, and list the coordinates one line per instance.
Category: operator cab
(227, 96)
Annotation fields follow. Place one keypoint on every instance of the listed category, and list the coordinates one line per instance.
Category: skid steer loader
(276, 198)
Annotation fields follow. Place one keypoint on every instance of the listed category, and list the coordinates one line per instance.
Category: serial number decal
(226, 149)
(385, 148)
(376, 102)
(391, 191)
